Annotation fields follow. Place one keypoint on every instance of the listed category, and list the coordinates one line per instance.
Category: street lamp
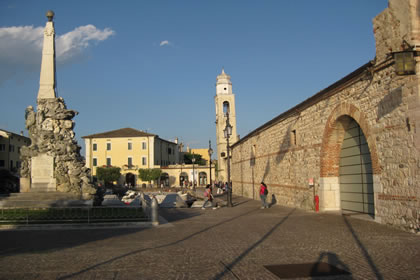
(210, 153)
(193, 161)
(181, 176)
(227, 133)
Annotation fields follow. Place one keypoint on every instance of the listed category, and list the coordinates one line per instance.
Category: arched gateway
(164, 179)
(130, 179)
(348, 163)
(356, 180)
(183, 179)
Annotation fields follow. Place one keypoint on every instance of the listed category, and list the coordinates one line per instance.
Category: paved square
(227, 243)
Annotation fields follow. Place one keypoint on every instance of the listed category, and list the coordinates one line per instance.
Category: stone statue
(30, 117)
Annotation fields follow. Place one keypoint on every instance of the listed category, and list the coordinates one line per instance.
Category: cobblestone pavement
(227, 243)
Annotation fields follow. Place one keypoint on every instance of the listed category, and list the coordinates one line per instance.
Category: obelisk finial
(47, 76)
(50, 15)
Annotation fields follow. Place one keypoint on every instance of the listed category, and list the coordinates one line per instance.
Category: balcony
(130, 167)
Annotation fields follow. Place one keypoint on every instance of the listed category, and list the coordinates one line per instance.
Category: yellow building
(131, 150)
(204, 153)
(186, 174)
(10, 144)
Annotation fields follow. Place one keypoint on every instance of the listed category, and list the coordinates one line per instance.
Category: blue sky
(152, 65)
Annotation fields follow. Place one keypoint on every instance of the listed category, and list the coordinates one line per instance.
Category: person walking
(208, 197)
(263, 195)
(219, 188)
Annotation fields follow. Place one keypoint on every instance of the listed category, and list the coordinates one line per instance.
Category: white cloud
(164, 43)
(21, 47)
(72, 43)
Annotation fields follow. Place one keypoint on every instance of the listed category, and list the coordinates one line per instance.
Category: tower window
(225, 88)
(226, 107)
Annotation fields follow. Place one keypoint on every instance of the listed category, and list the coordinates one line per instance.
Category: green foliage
(149, 174)
(198, 159)
(108, 174)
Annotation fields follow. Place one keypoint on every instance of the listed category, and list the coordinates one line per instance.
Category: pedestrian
(219, 188)
(208, 197)
(263, 195)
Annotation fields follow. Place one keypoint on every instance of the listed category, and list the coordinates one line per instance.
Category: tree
(198, 159)
(149, 174)
(108, 174)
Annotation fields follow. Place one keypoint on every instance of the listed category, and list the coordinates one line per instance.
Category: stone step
(39, 195)
(45, 203)
(41, 199)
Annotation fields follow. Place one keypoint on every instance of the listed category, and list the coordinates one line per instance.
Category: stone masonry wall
(305, 142)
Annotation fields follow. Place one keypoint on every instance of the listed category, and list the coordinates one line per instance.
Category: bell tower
(225, 104)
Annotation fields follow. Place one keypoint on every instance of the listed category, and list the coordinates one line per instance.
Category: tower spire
(225, 108)
(47, 80)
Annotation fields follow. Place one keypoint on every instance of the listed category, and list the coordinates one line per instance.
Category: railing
(72, 215)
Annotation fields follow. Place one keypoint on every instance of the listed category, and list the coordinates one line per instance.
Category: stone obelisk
(47, 81)
(42, 165)
(52, 163)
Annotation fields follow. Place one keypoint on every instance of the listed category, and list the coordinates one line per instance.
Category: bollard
(154, 210)
(316, 203)
(143, 203)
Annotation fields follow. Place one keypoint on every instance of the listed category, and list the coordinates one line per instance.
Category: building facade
(204, 153)
(131, 150)
(10, 145)
(185, 174)
(355, 144)
(225, 105)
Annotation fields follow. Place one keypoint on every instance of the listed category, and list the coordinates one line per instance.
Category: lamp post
(210, 153)
(181, 176)
(227, 133)
(193, 161)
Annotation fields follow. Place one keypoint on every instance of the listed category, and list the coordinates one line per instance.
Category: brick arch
(333, 138)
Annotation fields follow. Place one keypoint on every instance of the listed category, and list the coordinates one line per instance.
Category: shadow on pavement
(20, 242)
(364, 250)
(332, 259)
(333, 267)
(228, 267)
(241, 202)
(156, 247)
(176, 214)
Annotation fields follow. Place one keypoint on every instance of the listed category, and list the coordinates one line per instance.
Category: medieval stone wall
(305, 142)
